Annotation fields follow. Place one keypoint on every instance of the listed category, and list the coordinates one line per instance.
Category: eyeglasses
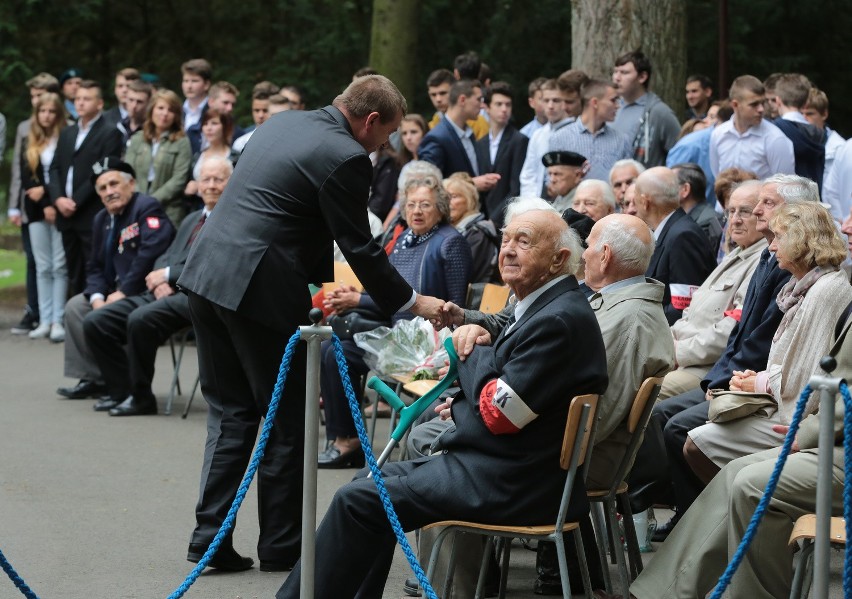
(424, 206)
(743, 212)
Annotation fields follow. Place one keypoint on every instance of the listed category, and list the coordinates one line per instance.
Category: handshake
(443, 314)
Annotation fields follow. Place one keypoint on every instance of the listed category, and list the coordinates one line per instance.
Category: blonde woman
(161, 154)
(47, 120)
(479, 232)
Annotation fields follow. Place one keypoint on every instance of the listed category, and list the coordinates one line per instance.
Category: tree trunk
(602, 30)
(393, 45)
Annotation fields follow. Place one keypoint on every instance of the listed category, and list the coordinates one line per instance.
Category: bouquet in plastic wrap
(412, 348)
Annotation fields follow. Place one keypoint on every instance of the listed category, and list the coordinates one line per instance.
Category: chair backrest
(574, 427)
(637, 421)
(494, 298)
(343, 273)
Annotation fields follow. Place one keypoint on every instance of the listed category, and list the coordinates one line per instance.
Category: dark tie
(109, 250)
(196, 229)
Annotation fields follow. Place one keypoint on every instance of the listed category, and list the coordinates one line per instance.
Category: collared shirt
(762, 149)
(695, 147)
(466, 138)
(602, 148)
(192, 117)
(622, 283)
(795, 116)
(533, 173)
(494, 144)
(531, 127)
(837, 191)
(82, 133)
(659, 228)
(523, 305)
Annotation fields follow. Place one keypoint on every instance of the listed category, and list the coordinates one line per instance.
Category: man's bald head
(656, 194)
(619, 247)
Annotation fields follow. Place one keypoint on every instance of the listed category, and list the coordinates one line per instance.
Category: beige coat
(171, 171)
(701, 335)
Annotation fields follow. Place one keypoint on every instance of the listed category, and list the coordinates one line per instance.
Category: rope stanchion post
(828, 388)
(314, 336)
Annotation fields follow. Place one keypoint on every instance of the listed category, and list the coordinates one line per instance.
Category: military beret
(563, 158)
(110, 163)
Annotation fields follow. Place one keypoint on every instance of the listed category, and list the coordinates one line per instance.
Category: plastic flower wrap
(412, 348)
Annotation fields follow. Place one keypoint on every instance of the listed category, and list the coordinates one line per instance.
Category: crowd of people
(707, 249)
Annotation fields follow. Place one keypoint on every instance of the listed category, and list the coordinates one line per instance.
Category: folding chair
(604, 513)
(805, 530)
(575, 445)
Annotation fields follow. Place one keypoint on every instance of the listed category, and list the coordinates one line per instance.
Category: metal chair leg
(584, 566)
(618, 551)
(563, 566)
(176, 361)
(191, 397)
(504, 568)
(602, 536)
(633, 554)
(483, 567)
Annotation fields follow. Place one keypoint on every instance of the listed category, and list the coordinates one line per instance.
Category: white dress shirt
(763, 149)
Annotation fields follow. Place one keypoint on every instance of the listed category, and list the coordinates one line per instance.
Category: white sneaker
(40, 332)
(57, 332)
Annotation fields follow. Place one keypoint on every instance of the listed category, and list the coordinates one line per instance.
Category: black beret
(581, 223)
(69, 74)
(563, 158)
(110, 163)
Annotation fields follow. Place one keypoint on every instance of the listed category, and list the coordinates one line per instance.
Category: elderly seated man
(501, 462)
(127, 236)
(124, 336)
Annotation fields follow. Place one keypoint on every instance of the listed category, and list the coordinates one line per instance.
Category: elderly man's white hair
(794, 188)
(219, 161)
(569, 239)
(629, 252)
(660, 184)
(603, 188)
(418, 168)
(640, 168)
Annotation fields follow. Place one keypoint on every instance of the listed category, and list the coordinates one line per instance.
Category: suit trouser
(660, 473)
(696, 553)
(124, 338)
(78, 248)
(238, 360)
(338, 418)
(678, 382)
(79, 361)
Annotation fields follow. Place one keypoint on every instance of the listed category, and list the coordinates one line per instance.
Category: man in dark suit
(129, 234)
(303, 181)
(124, 336)
(502, 151)
(748, 348)
(500, 463)
(682, 259)
(450, 145)
(71, 190)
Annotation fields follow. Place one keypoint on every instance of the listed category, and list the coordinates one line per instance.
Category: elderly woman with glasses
(435, 260)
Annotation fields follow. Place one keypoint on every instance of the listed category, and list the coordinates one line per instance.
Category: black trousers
(32, 286)
(238, 361)
(338, 418)
(124, 338)
(78, 249)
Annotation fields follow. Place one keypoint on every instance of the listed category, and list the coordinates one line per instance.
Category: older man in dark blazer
(506, 159)
(501, 461)
(71, 192)
(682, 258)
(302, 182)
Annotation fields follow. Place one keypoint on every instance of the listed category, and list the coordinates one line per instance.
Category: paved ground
(101, 508)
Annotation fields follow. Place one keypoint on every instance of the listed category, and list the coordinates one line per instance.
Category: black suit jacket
(511, 153)
(443, 148)
(749, 342)
(102, 140)
(175, 257)
(552, 353)
(681, 261)
(301, 182)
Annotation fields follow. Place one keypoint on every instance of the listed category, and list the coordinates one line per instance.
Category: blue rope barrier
(377, 473)
(15, 577)
(228, 524)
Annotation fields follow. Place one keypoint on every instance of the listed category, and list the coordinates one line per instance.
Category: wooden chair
(604, 513)
(805, 530)
(494, 298)
(575, 445)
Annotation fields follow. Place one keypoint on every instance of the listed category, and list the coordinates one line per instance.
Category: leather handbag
(726, 406)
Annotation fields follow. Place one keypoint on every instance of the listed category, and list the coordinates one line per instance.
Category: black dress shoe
(334, 458)
(83, 390)
(133, 406)
(226, 558)
(106, 403)
(663, 532)
(270, 566)
(411, 587)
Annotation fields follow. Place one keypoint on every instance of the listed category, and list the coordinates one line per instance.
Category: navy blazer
(749, 342)
(681, 261)
(511, 153)
(443, 148)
